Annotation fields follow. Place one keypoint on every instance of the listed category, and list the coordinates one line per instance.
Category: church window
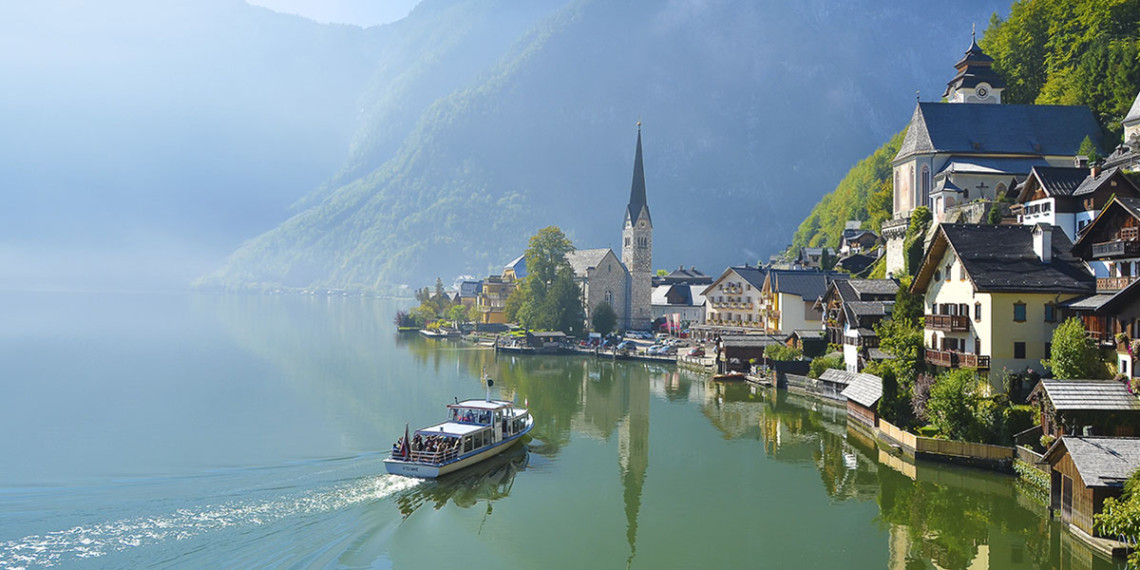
(925, 185)
(627, 242)
(609, 296)
(999, 192)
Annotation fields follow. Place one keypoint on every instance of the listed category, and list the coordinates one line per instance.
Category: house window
(1019, 312)
(978, 312)
(948, 266)
(1050, 313)
(1019, 350)
(977, 346)
(1048, 350)
(937, 275)
(961, 272)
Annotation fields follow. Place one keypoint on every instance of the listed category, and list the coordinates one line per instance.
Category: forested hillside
(748, 112)
(1055, 52)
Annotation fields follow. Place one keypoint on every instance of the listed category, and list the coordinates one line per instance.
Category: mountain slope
(749, 111)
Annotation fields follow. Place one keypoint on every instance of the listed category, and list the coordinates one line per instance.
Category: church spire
(637, 200)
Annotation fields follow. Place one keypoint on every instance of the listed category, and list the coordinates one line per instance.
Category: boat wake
(90, 541)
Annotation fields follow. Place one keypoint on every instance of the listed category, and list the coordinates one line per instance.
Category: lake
(203, 431)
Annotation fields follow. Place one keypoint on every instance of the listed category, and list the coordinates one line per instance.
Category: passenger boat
(474, 430)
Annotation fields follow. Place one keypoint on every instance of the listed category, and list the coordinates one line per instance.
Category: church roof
(582, 260)
(637, 200)
(979, 128)
(1133, 115)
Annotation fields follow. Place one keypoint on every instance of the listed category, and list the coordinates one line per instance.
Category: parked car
(696, 351)
(626, 345)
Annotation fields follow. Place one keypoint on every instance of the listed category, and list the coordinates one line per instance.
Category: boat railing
(434, 457)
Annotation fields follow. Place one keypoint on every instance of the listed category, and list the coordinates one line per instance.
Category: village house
(863, 393)
(973, 147)
(851, 309)
(492, 297)
(678, 296)
(1084, 471)
(995, 308)
(732, 301)
(815, 258)
(1070, 198)
(1112, 241)
(788, 299)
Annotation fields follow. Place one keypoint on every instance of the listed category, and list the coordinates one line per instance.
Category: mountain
(750, 112)
(143, 140)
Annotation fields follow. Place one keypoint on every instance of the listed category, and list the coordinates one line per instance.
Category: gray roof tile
(864, 389)
(1102, 461)
(1108, 395)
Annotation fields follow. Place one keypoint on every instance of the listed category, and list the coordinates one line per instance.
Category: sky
(362, 13)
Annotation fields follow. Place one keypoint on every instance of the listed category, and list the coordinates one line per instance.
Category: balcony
(1105, 284)
(1116, 248)
(948, 323)
(955, 359)
(943, 358)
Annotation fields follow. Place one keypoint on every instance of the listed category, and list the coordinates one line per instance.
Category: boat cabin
(471, 426)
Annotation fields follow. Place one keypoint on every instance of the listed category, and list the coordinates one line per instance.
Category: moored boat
(729, 377)
(475, 430)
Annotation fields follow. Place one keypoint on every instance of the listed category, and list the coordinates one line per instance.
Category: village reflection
(936, 516)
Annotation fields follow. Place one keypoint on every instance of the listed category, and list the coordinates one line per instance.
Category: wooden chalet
(1084, 471)
(1111, 246)
(1086, 407)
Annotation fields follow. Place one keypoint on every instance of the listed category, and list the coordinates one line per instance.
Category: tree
(604, 318)
(822, 363)
(474, 314)
(457, 313)
(908, 305)
(1088, 148)
(546, 254)
(660, 273)
(1073, 356)
(953, 399)
(893, 405)
(782, 352)
(564, 303)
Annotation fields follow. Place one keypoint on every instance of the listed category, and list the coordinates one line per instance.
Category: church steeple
(637, 248)
(637, 201)
(976, 80)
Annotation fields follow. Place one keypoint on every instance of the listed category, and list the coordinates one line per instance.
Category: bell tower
(976, 80)
(637, 248)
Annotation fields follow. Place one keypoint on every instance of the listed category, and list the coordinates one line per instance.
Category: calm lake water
(205, 431)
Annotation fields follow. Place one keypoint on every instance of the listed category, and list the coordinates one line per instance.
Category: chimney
(1094, 169)
(1043, 242)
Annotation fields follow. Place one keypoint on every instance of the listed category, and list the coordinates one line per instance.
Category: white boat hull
(430, 471)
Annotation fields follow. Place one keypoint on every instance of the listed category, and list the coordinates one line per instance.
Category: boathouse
(1087, 470)
(1086, 407)
(863, 394)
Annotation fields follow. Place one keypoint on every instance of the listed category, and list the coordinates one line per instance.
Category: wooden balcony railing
(955, 359)
(1116, 248)
(943, 358)
(948, 323)
(1113, 283)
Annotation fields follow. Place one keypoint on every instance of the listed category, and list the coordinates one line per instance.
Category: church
(972, 147)
(627, 285)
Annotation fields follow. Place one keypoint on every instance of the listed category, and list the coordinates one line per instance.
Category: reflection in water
(929, 515)
(488, 481)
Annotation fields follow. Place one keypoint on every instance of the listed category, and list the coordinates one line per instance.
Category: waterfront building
(1084, 471)
(851, 310)
(733, 299)
(492, 297)
(972, 148)
(995, 308)
(1086, 407)
(788, 299)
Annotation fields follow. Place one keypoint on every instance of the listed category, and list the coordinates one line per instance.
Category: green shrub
(782, 352)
